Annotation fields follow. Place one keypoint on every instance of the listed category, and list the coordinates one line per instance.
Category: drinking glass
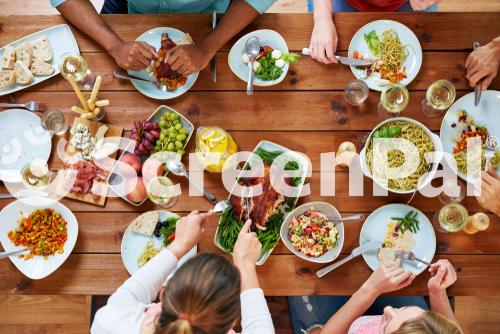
(451, 218)
(444, 198)
(356, 92)
(393, 100)
(438, 98)
(75, 64)
(159, 194)
(54, 122)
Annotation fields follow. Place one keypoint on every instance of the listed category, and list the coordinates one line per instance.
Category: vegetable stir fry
(312, 233)
(44, 231)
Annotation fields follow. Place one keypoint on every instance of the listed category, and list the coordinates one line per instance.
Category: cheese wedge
(42, 49)
(39, 67)
(8, 57)
(7, 78)
(23, 73)
(24, 53)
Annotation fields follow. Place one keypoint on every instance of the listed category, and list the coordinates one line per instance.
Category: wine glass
(159, 191)
(75, 64)
(438, 98)
(54, 122)
(356, 92)
(449, 188)
(393, 100)
(451, 218)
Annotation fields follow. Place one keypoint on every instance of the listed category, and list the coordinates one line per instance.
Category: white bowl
(437, 157)
(328, 210)
(37, 267)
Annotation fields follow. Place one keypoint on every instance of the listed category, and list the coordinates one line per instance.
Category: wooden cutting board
(113, 131)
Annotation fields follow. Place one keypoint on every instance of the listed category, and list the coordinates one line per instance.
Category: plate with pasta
(465, 124)
(394, 49)
(382, 157)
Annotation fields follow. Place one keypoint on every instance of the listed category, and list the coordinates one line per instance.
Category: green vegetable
(169, 229)
(268, 70)
(290, 58)
(373, 42)
(408, 222)
(387, 132)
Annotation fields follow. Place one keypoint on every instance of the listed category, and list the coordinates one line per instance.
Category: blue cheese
(82, 142)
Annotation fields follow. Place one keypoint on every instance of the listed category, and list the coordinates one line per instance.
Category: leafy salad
(269, 63)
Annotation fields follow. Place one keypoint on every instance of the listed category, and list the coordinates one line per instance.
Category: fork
(3, 255)
(126, 76)
(409, 256)
(31, 106)
(489, 151)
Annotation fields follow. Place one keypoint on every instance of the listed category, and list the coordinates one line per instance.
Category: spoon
(221, 206)
(252, 48)
(179, 169)
(7, 254)
(347, 219)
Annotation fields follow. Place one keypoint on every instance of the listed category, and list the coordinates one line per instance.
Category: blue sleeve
(259, 5)
(56, 3)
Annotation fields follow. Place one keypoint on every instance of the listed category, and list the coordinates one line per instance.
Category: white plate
(266, 37)
(406, 36)
(326, 209)
(37, 267)
(61, 40)
(485, 114)
(133, 244)
(19, 147)
(153, 37)
(375, 227)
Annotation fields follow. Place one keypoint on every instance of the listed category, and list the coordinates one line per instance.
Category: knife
(477, 88)
(369, 246)
(344, 60)
(213, 68)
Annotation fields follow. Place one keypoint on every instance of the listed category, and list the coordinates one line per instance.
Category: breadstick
(102, 103)
(91, 104)
(78, 110)
(97, 110)
(82, 99)
(95, 89)
(87, 115)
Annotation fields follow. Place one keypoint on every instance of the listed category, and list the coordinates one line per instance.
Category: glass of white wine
(439, 97)
(356, 92)
(54, 122)
(393, 100)
(451, 218)
(75, 64)
(159, 191)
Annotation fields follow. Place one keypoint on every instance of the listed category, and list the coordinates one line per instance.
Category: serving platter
(61, 40)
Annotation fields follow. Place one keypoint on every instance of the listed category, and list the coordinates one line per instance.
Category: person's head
(203, 297)
(414, 320)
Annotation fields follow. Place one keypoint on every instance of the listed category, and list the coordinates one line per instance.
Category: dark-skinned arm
(128, 55)
(188, 59)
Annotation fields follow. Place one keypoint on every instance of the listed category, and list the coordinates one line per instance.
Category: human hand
(188, 232)
(324, 40)
(247, 248)
(422, 4)
(490, 191)
(133, 55)
(483, 63)
(388, 278)
(443, 275)
(188, 59)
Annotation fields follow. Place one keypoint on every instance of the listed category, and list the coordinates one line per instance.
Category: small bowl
(326, 209)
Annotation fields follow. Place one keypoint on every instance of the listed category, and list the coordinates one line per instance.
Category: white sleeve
(255, 315)
(125, 307)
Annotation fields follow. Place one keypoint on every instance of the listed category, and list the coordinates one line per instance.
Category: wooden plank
(341, 200)
(45, 314)
(286, 111)
(281, 275)
(103, 234)
(478, 314)
(308, 74)
(436, 31)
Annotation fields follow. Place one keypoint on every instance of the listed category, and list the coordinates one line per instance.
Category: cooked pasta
(396, 158)
(461, 160)
(392, 52)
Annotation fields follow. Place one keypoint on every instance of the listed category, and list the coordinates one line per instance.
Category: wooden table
(306, 112)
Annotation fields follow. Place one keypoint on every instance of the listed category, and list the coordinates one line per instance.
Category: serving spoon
(178, 168)
(252, 48)
(221, 206)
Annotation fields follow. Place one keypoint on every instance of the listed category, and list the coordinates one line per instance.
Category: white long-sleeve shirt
(125, 310)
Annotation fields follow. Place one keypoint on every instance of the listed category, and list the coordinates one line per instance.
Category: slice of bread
(24, 53)
(39, 67)
(8, 57)
(7, 78)
(42, 49)
(145, 224)
(23, 73)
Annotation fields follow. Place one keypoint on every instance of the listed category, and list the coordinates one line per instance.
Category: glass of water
(356, 92)
(54, 122)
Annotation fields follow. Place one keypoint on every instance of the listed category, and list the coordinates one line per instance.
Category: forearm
(353, 309)
(441, 304)
(237, 17)
(249, 278)
(322, 9)
(82, 14)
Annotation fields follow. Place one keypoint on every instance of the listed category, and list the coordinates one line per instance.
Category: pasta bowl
(424, 178)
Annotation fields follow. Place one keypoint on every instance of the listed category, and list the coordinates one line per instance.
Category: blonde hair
(429, 323)
(203, 297)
